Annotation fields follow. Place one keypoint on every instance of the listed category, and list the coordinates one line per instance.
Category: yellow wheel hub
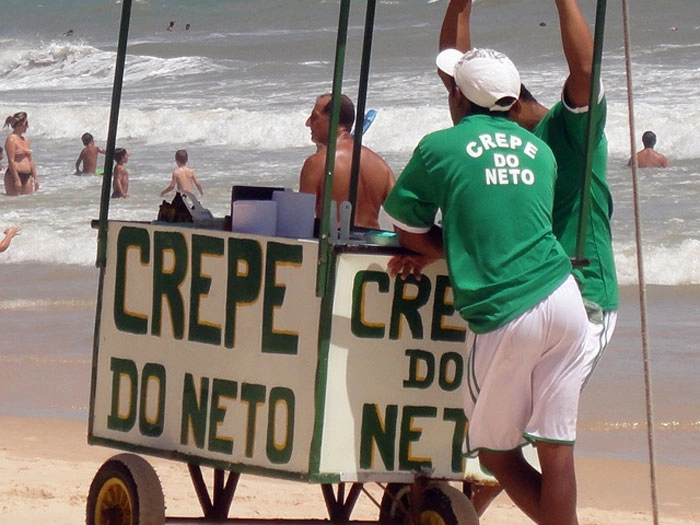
(113, 504)
(430, 517)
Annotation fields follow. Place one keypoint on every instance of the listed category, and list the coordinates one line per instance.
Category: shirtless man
(648, 157)
(184, 176)
(120, 186)
(375, 176)
(20, 177)
(88, 156)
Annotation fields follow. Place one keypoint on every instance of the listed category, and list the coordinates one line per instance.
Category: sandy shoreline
(46, 467)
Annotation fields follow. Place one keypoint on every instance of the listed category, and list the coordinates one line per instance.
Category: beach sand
(46, 467)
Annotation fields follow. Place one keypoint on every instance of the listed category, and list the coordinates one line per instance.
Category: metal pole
(101, 260)
(594, 108)
(112, 134)
(324, 246)
(361, 104)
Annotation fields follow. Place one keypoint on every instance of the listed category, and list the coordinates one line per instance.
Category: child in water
(120, 187)
(88, 156)
(183, 176)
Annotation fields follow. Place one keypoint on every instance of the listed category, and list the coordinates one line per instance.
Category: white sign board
(211, 349)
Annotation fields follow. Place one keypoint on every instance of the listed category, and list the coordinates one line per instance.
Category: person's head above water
(649, 139)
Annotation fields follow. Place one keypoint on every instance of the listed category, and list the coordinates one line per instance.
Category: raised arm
(577, 43)
(455, 26)
(454, 33)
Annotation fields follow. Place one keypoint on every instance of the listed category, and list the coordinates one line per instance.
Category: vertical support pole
(324, 246)
(101, 260)
(361, 105)
(648, 394)
(112, 133)
(594, 108)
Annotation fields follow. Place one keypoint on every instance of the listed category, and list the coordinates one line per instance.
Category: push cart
(294, 358)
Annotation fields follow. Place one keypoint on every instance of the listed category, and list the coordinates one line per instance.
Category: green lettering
(123, 369)
(129, 238)
(152, 426)
(220, 388)
(243, 285)
(280, 451)
(359, 326)
(200, 285)
(458, 436)
(443, 308)
(194, 412)
(408, 306)
(416, 379)
(254, 395)
(410, 434)
(382, 433)
(278, 341)
(167, 280)
(446, 382)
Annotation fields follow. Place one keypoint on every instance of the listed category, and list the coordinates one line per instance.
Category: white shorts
(524, 378)
(601, 326)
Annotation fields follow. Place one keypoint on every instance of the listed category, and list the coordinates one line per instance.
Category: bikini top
(20, 152)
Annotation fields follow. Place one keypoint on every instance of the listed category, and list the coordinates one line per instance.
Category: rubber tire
(125, 491)
(443, 505)
(389, 511)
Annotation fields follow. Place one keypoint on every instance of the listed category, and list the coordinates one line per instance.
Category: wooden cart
(300, 359)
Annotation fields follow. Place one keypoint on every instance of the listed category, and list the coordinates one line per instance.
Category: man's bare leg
(548, 498)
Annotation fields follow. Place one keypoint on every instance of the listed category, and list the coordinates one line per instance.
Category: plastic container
(258, 217)
(295, 214)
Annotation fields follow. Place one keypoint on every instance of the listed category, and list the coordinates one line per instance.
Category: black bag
(175, 211)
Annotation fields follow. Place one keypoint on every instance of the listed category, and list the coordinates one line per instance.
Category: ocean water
(235, 91)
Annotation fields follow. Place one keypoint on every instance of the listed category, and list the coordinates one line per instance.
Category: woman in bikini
(20, 177)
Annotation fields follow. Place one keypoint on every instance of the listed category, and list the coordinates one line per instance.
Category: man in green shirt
(564, 129)
(493, 181)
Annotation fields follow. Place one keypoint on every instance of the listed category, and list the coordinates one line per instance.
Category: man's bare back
(375, 180)
(649, 158)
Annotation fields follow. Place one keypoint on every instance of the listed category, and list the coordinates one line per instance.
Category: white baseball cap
(484, 76)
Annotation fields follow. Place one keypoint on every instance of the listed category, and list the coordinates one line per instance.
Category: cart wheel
(443, 504)
(125, 491)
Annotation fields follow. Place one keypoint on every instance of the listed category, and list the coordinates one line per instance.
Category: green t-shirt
(494, 183)
(564, 130)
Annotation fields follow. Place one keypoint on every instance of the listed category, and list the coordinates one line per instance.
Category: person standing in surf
(20, 177)
(88, 156)
(120, 185)
(648, 157)
(183, 177)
